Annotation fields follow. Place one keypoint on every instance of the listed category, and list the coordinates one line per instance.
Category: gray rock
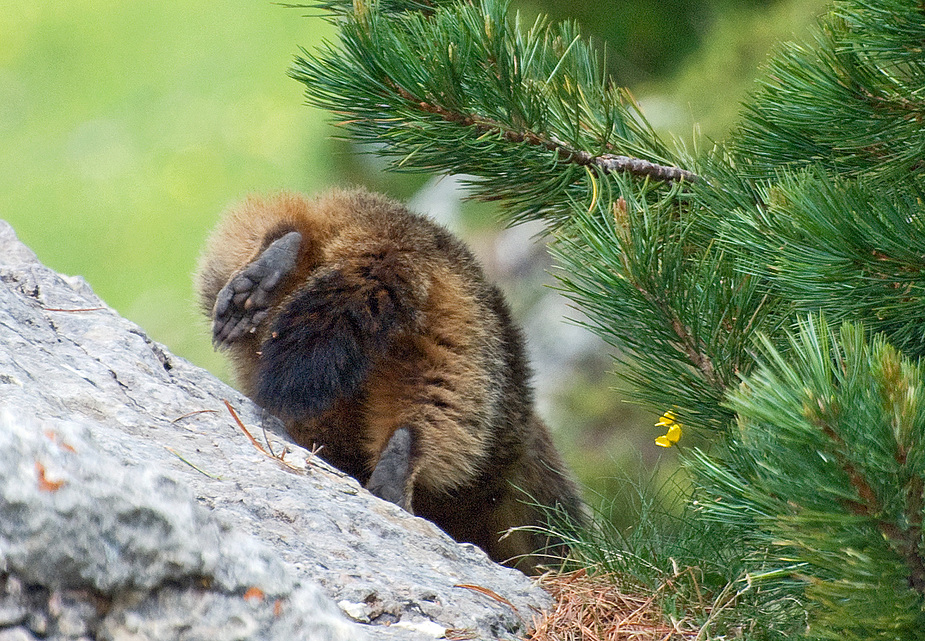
(16, 634)
(134, 507)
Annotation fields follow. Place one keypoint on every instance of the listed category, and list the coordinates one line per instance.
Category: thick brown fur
(383, 343)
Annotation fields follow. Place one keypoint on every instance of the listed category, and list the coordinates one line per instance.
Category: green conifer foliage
(711, 273)
(464, 89)
(834, 433)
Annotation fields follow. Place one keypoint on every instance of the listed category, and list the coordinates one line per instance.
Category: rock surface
(134, 507)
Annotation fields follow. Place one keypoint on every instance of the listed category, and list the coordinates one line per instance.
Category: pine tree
(766, 295)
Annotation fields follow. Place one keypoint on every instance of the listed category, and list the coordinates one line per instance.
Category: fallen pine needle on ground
(592, 607)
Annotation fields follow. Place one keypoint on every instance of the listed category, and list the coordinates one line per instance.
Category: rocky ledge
(141, 498)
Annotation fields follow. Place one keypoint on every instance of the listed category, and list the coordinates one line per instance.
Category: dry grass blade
(256, 444)
(194, 413)
(240, 423)
(491, 594)
(195, 467)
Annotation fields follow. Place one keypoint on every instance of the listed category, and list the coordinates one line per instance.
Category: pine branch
(608, 163)
(466, 90)
(840, 246)
(905, 541)
(680, 313)
(852, 102)
(636, 166)
(829, 471)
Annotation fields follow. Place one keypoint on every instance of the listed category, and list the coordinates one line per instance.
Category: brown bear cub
(372, 333)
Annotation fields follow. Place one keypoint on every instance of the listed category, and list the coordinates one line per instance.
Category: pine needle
(255, 442)
(593, 607)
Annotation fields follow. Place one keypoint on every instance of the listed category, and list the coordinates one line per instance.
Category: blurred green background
(126, 127)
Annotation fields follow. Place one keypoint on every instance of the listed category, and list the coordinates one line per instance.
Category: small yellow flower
(674, 430)
(666, 420)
